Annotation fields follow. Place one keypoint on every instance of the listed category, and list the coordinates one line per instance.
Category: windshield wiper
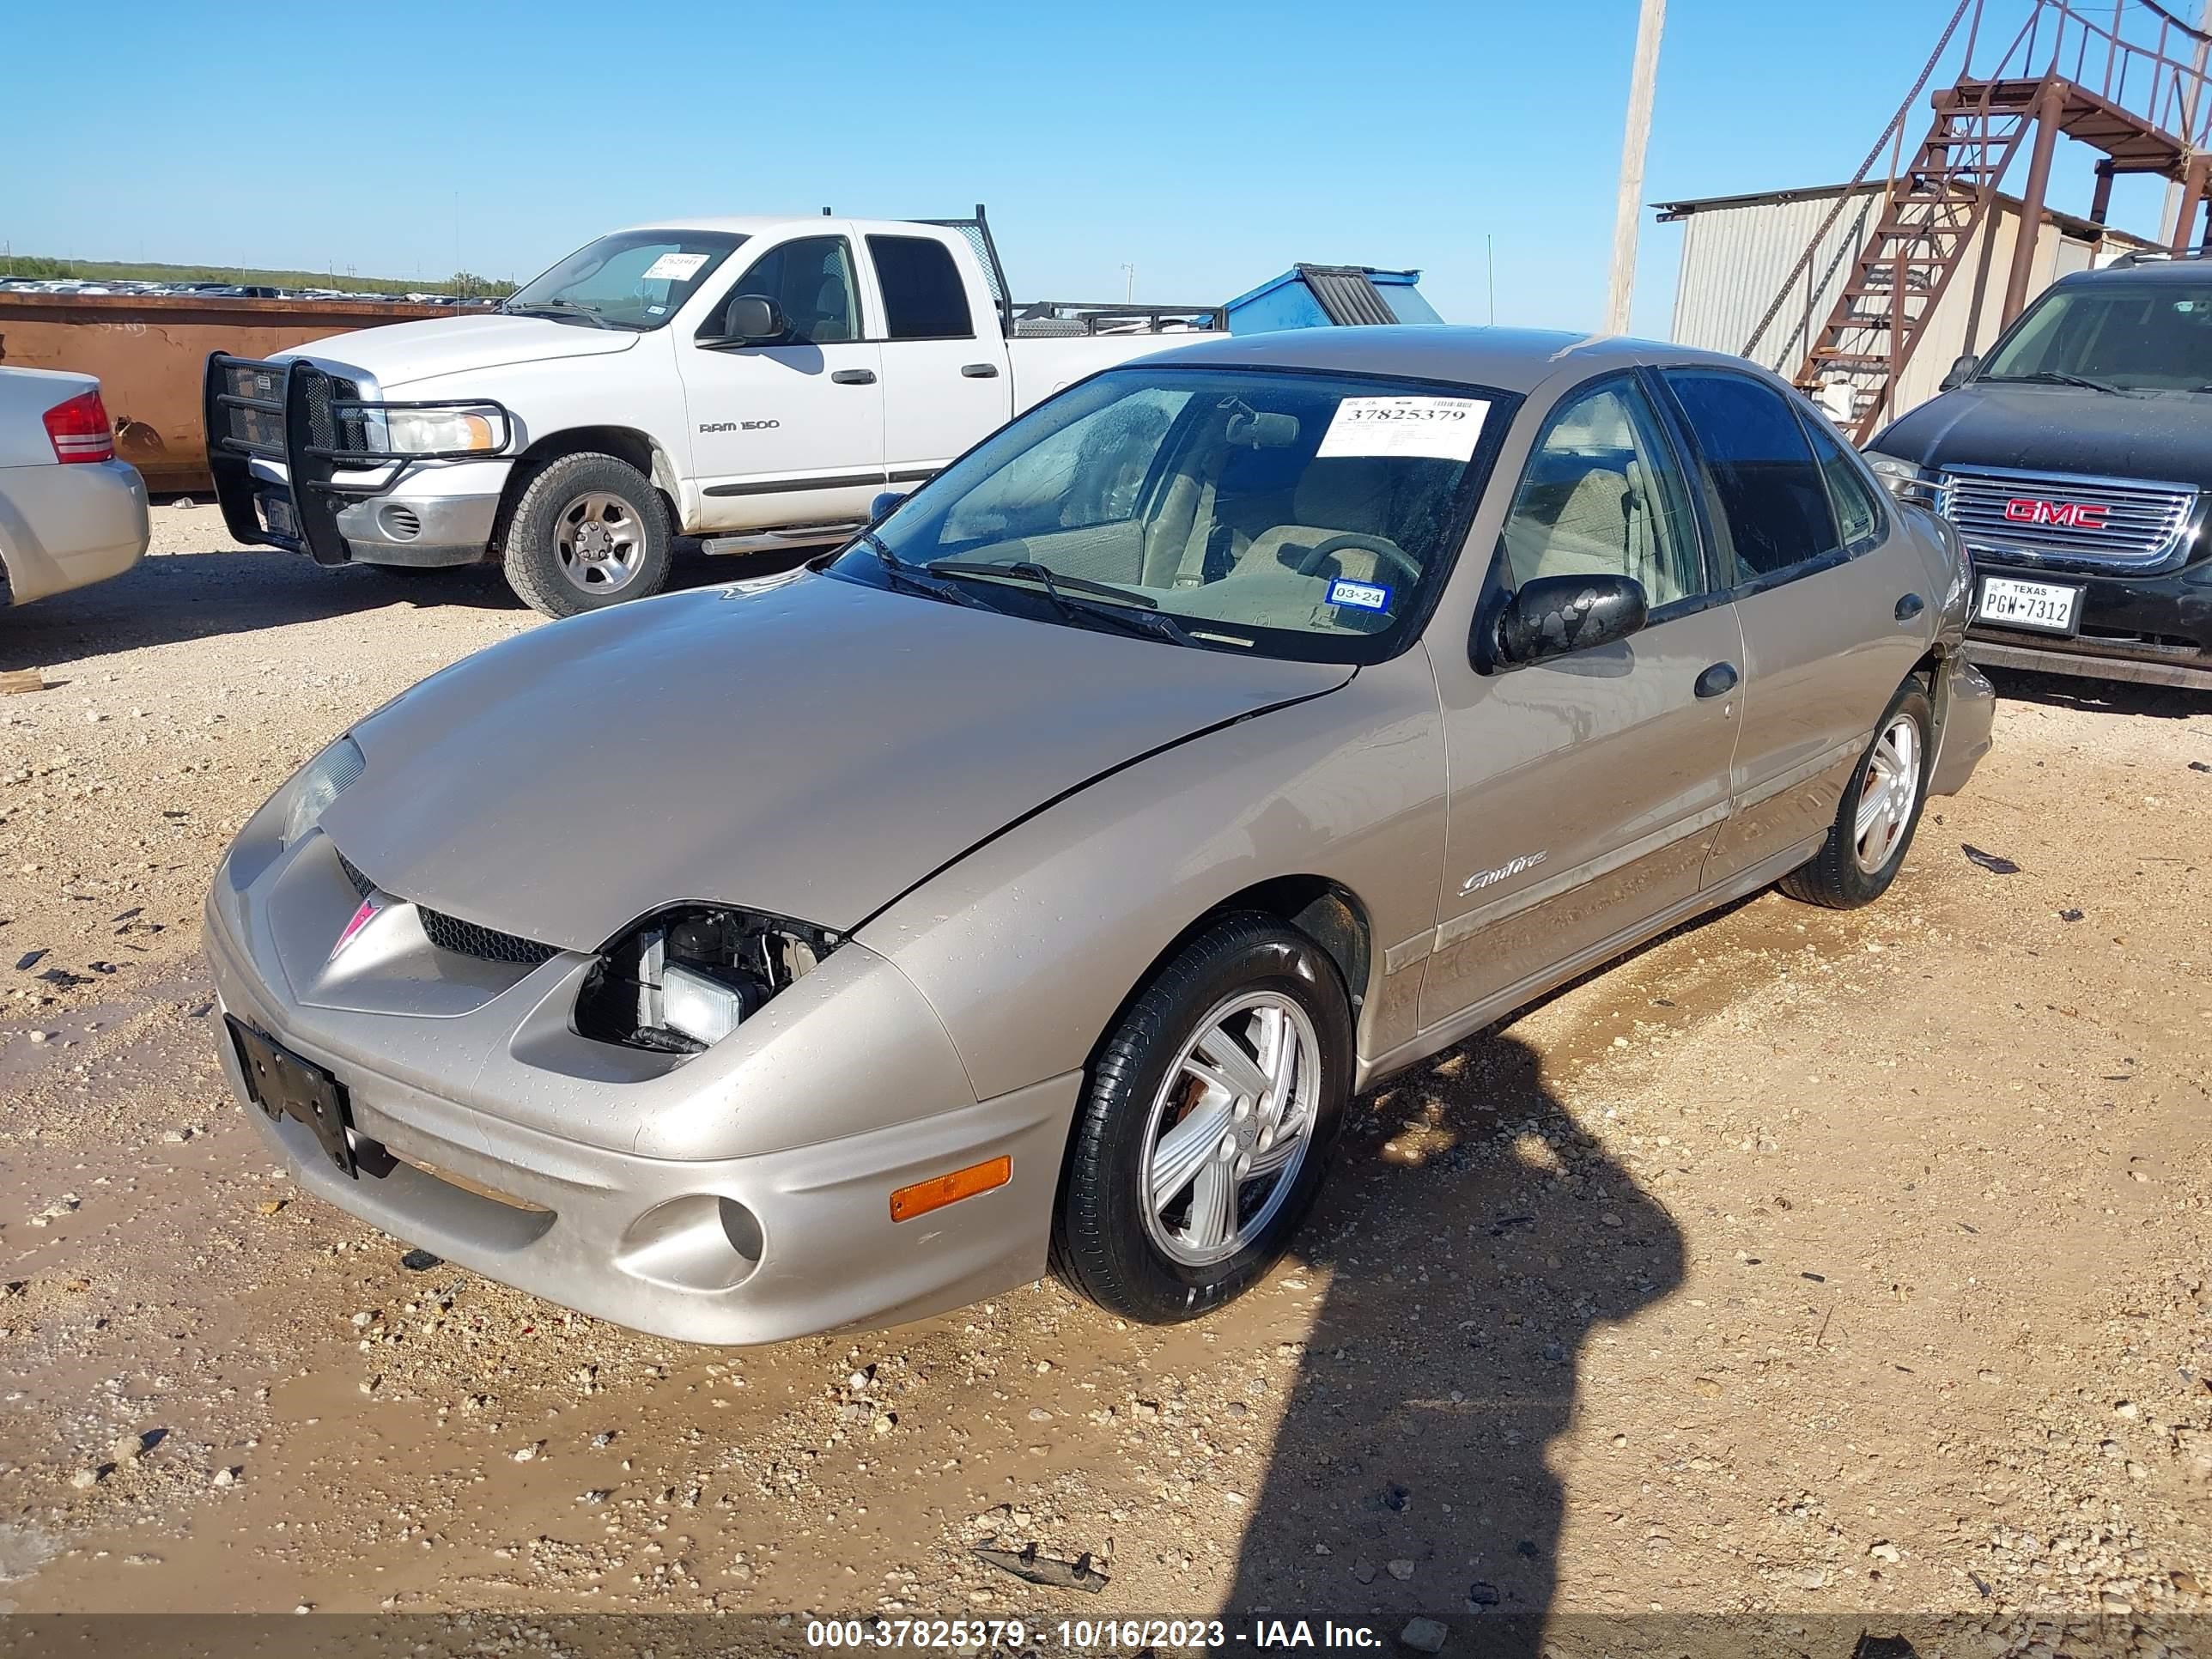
(1052, 581)
(557, 308)
(1133, 612)
(902, 574)
(2058, 377)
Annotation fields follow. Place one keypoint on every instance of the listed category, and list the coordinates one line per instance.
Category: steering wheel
(1381, 546)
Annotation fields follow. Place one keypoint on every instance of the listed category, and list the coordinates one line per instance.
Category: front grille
(361, 884)
(326, 428)
(2066, 517)
(466, 939)
(462, 939)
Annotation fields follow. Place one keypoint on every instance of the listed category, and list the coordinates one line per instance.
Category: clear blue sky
(1209, 146)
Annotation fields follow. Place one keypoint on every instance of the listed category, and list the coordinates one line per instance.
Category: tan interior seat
(1343, 495)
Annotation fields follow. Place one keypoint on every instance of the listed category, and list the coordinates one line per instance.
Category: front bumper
(734, 1247)
(407, 528)
(2155, 629)
(293, 449)
(65, 527)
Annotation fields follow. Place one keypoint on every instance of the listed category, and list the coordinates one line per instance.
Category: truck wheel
(1207, 1123)
(589, 532)
(1881, 809)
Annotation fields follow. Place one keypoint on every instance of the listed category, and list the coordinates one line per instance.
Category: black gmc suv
(2075, 460)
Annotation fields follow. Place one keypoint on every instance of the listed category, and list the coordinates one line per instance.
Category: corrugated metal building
(1738, 250)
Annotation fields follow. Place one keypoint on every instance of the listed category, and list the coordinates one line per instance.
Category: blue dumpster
(1325, 296)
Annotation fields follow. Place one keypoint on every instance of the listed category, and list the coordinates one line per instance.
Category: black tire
(556, 584)
(1836, 877)
(1100, 1243)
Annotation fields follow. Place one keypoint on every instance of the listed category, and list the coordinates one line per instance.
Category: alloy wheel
(1230, 1127)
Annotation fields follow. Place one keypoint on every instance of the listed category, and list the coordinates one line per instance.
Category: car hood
(2058, 428)
(811, 748)
(399, 354)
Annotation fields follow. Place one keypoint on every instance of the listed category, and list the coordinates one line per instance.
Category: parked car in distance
(70, 513)
(735, 379)
(1039, 877)
(2075, 460)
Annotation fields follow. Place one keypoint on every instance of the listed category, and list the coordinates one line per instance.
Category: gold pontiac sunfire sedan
(1038, 877)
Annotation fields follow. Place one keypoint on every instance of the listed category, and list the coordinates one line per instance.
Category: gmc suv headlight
(318, 783)
(1908, 481)
(443, 431)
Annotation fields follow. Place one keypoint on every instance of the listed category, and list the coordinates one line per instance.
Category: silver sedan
(1036, 879)
(70, 513)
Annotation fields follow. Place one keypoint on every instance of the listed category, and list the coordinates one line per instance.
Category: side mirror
(880, 509)
(1961, 372)
(752, 319)
(1551, 615)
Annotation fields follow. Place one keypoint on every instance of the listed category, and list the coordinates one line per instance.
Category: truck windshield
(2136, 336)
(635, 279)
(1279, 512)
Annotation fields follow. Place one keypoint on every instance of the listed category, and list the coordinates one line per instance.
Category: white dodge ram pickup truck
(737, 379)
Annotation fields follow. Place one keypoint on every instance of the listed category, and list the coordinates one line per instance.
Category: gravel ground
(1828, 1267)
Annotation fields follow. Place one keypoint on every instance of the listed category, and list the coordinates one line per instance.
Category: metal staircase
(2117, 81)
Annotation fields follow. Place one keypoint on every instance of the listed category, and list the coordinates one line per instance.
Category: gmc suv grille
(2064, 517)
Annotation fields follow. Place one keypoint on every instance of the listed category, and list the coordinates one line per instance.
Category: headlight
(1908, 481)
(321, 782)
(442, 431)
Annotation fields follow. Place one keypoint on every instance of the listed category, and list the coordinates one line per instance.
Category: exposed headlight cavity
(690, 976)
(321, 782)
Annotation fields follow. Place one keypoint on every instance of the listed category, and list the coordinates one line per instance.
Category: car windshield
(1280, 511)
(635, 279)
(2138, 336)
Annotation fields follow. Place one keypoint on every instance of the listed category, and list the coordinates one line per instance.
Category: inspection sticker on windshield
(1362, 596)
(1445, 428)
(674, 268)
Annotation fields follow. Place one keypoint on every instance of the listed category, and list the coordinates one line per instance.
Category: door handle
(1717, 681)
(979, 371)
(1909, 606)
(854, 377)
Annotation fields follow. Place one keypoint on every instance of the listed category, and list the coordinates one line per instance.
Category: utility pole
(1129, 272)
(2169, 225)
(1628, 210)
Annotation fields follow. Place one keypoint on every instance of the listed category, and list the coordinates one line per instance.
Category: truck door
(789, 431)
(946, 385)
(1587, 787)
(1834, 606)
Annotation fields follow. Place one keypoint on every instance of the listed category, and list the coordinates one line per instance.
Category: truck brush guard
(315, 425)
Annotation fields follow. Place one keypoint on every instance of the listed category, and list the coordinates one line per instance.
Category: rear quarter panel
(1041, 367)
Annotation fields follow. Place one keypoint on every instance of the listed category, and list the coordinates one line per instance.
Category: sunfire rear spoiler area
(315, 425)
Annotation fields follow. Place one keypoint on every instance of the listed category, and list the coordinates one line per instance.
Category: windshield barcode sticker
(674, 268)
(1443, 429)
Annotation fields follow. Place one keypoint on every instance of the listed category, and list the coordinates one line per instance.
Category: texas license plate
(2053, 607)
(276, 513)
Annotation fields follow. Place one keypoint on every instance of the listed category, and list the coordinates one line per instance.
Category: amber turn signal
(938, 1191)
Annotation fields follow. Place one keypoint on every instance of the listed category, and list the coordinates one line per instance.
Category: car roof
(754, 224)
(1508, 359)
(2178, 269)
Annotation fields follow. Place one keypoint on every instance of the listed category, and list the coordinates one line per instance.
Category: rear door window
(923, 295)
(1767, 488)
(1850, 492)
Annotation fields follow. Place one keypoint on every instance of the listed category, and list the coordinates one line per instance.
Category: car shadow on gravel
(173, 598)
(1477, 1242)
(2098, 696)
